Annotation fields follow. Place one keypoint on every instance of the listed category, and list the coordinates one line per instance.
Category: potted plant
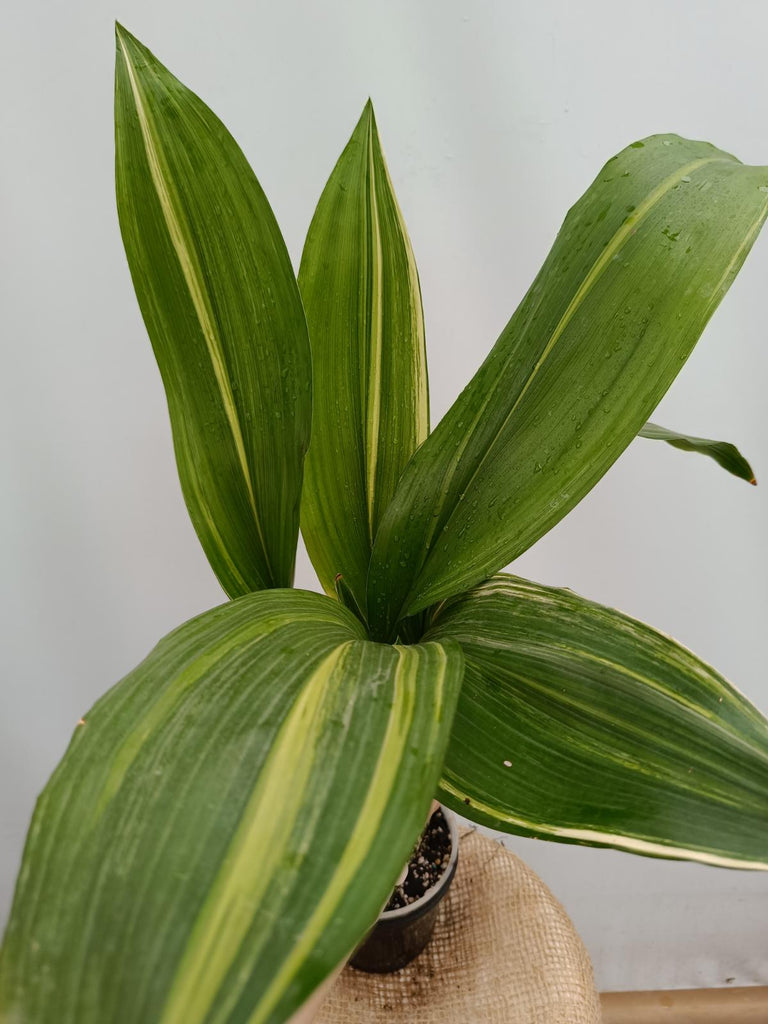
(408, 920)
(230, 818)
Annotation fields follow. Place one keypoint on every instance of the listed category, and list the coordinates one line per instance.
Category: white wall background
(495, 116)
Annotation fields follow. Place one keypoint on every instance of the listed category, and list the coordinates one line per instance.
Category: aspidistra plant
(229, 819)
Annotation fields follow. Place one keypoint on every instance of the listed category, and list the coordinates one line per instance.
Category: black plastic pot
(400, 935)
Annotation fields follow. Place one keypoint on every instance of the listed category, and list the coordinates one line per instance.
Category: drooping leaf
(223, 312)
(725, 454)
(228, 820)
(638, 268)
(578, 724)
(361, 293)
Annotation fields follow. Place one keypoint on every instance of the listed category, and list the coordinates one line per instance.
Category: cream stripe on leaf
(372, 391)
(578, 724)
(638, 267)
(227, 820)
(256, 852)
(223, 312)
(361, 293)
(725, 454)
(360, 844)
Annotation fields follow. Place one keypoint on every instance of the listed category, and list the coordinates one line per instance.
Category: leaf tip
(128, 43)
(368, 112)
(752, 480)
(121, 32)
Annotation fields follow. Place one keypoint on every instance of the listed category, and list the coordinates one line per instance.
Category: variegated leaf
(223, 312)
(361, 293)
(228, 820)
(639, 266)
(578, 724)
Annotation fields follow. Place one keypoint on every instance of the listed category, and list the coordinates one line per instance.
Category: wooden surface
(687, 1006)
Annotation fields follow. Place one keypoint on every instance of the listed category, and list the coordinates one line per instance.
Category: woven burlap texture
(504, 950)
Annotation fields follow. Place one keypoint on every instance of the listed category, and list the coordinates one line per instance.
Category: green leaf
(361, 293)
(725, 454)
(228, 820)
(578, 724)
(223, 312)
(635, 273)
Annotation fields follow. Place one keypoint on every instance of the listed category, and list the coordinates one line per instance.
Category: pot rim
(420, 905)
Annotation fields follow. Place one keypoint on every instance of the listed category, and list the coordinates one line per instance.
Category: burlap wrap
(504, 950)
